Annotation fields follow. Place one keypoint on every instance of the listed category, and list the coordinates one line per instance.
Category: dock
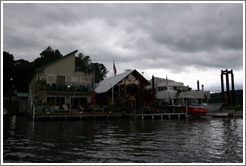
(157, 116)
(117, 115)
(75, 115)
(214, 111)
(104, 115)
(225, 113)
(217, 114)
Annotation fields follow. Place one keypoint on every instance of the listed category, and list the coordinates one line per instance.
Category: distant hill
(216, 97)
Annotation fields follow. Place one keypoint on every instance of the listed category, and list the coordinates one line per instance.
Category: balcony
(75, 87)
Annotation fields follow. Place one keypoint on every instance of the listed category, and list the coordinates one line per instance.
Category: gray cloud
(142, 36)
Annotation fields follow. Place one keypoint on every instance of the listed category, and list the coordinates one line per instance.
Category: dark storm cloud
(202, 32)
(203, 27)
(142, 36)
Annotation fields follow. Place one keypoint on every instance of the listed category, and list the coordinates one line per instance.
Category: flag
(115, 71)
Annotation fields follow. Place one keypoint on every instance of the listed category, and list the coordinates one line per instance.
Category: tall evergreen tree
(47, 56)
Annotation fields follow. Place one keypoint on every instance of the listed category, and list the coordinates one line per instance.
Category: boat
(195, 110)
(192, 110)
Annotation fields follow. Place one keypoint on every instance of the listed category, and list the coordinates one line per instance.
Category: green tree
(99, 71)
(8, 72)
(84, 63)
(47, 56)
(24, 71)
(16, 74)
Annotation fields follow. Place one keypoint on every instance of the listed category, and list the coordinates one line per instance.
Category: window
(51, 100)
(75, 79)
(51, 79)
(56, 101)
(60, 80)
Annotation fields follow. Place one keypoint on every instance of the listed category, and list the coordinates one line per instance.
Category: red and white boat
(195, 110)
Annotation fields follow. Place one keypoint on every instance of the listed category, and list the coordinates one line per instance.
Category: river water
(208, 140)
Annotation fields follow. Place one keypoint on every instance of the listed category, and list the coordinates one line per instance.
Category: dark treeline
(217, 97)
(18, 73)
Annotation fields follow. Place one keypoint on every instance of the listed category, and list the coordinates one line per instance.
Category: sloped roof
(161, 82)
(166, 94)
(173, 94)
(192, 94)
(110, 82)
(52, 62)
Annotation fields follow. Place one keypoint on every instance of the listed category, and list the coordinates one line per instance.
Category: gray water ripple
(125, 141)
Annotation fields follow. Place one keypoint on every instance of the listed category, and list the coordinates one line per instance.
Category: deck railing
(64, 88)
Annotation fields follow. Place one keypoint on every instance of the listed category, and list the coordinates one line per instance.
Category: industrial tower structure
(227, 98)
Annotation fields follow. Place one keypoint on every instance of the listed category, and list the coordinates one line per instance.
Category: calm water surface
(209, 140)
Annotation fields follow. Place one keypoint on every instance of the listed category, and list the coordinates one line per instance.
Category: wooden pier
(217, 114)
(158, 116)
(105, 115)
(225, 113)
(75, 115)
(114, 115)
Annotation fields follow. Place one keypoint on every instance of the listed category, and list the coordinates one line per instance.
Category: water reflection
(133, 141)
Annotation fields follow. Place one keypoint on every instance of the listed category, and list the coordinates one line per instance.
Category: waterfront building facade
(58, 83)
(126, 90)
(170, 93)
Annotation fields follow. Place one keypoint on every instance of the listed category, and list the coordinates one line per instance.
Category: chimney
(198, 86)
(202, 87)
(153, 84)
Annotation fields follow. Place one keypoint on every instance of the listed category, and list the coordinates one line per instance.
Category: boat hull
(196, 111)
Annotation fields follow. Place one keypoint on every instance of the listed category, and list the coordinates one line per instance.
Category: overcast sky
(187, 42)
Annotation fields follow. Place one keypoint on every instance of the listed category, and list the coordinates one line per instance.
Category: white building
(169, 92)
